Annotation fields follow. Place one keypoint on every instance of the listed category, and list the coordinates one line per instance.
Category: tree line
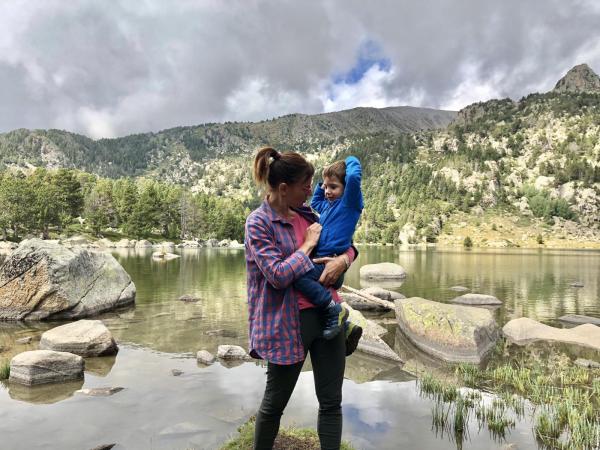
(51, 201)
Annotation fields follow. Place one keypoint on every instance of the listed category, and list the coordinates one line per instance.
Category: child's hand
(313, 232)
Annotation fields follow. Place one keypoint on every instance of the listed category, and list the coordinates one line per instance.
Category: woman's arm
(280, 272)
(336, 266)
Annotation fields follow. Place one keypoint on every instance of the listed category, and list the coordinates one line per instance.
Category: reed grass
(4, 370)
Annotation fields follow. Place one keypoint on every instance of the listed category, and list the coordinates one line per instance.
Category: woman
(280, 234)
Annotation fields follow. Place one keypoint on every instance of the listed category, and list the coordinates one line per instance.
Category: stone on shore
(525, 331)
(382, 271)
(24, 340)
(205, 357)
(45, 280)
(477, 300)
(143, 243)
(577, 319)
(84, 338)
(45, 366)
(588, 364)
(232, 352)
(453, 333)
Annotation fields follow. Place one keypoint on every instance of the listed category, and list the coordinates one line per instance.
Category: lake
(203, 406)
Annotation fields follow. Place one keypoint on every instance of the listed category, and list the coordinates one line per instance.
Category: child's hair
(336, 169)
(272, 168)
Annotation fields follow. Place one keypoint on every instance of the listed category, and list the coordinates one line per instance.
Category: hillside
(179, 153)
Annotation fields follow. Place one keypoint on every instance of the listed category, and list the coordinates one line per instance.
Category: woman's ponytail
(272, 168)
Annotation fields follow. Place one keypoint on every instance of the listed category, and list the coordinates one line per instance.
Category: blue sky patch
(369, 54)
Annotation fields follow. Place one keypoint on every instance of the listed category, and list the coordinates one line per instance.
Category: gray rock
(453, 333)
(45, 366)
(577, 284)
(104, 446)
(188, 298)
(205, 357)
(84, 338)
(222, 333)
(588, 364)
(382, 271)
(143, 244)
(459, 289)
(45, 280)
(100, 392)
(383, 294)
(476, 300)
(25, 340)
(176, 372)
(211, 243)
(164, 256)
(359, 303)
(234, 352)
(577, 319)
(371, 342)
(524, 331)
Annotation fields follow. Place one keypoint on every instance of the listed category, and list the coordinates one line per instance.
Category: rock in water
(45, 280)
(231, 352)
(382, 271)
(525, 331)
(454, 333)
(477, 300)
(578, 319)
(45, 366)
(205, 357)
(84, 338)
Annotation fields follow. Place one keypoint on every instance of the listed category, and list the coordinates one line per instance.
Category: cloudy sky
(109, 68)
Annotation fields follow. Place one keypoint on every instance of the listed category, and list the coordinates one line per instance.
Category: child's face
(333, 188)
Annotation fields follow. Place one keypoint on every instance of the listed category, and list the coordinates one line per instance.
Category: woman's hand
(334, 268)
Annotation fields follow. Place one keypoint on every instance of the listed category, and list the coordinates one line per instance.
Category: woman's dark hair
(272, 168)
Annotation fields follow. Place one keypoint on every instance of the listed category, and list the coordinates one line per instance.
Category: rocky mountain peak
(580, 78)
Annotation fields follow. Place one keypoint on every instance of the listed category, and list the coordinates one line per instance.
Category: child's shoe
(335, 316)
(353, 334)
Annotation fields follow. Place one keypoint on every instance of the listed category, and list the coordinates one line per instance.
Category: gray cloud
(118, 67)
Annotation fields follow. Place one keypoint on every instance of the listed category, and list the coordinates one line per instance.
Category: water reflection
(45, 393)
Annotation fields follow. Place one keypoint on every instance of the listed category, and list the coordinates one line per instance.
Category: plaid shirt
(272, 265)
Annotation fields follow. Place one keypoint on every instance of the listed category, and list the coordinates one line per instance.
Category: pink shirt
(300, 225)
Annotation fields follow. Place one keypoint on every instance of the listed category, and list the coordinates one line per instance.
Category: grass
(288, 438)
(4, 370)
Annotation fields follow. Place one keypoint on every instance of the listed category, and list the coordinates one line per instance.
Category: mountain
(169, 151)
(580, 78)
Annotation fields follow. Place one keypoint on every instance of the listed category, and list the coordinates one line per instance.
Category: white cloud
(370, 90)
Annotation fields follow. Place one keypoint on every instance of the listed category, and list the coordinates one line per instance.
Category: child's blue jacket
(339, 217)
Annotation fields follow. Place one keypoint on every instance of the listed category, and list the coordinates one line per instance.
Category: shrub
(468, 243)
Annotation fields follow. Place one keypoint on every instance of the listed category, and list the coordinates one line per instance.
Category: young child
(338, 200)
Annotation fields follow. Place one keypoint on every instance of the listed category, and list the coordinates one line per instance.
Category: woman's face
(299, 192)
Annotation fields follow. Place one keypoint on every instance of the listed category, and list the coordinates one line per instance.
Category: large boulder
(45, 280)
(524, 331)
(453, 333)
(45, 366)
(84, 338)
(232, 352)
(477, 300)
(360, 303)
(382, 271)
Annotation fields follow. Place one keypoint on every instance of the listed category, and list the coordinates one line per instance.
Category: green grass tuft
(296, 438)
(4, 370)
